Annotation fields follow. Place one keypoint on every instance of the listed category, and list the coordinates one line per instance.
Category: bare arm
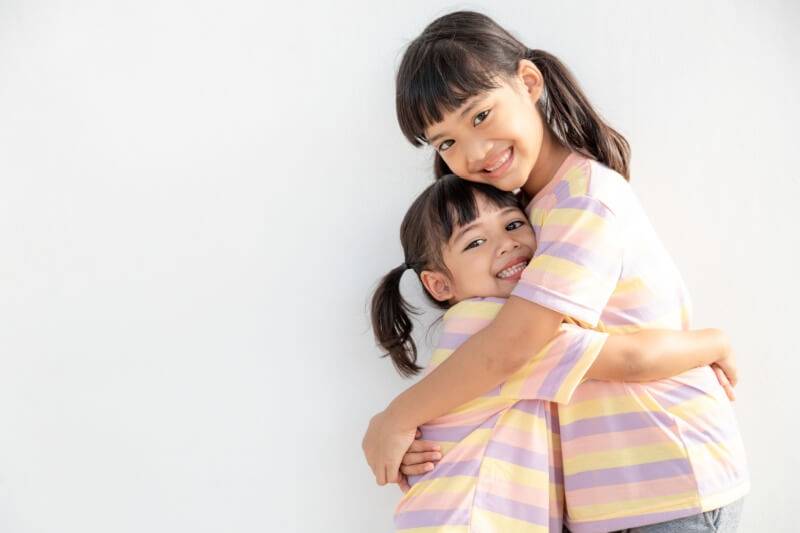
(486, 359)
(655, 354)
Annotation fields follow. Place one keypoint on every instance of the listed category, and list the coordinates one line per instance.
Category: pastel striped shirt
(633, 453)
(501, 467)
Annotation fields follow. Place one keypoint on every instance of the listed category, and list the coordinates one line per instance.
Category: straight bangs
(455, 203)
(436, 76)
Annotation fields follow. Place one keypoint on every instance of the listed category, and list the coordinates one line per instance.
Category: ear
(531, 78)
(437, 284)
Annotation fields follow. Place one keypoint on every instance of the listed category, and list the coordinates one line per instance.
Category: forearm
(485, 360)
(656, 354)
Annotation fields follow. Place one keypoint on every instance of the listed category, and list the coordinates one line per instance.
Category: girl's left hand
(384, 445)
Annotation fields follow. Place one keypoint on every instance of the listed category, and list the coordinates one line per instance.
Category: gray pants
(722, 520)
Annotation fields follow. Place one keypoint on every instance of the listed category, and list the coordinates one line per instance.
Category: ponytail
(391, 322)
(573, 119)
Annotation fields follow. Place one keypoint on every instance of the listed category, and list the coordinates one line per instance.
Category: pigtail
(574, 120)
(391, 323)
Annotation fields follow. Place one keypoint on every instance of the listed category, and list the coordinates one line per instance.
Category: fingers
(726, 384)
(412, 458)
(416, 469)
(423, 446)
(403, 484)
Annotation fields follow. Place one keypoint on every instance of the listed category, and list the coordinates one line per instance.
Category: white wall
(197, 197)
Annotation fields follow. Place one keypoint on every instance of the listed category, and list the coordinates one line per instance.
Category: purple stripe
(518, 456)
(646, 313)
(455, 433)
(555, 378)
(723, 430)
(534, 293)
(586, 203)
(561, 191)
(680, 394)
(628, 474)
(531, 514)
(603, 265)
(445, 469)
(452, 340)
(611, 423)
(628, 522)
(430, 518)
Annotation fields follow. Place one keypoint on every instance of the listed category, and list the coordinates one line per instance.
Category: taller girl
(498, 112)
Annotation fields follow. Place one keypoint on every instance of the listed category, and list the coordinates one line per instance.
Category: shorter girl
(501, 461)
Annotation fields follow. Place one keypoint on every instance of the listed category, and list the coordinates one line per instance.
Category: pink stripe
(515, 491)
(521, 438)
(468, 418)
(465, 325)
(631, 491)
(464, 452)
(440, 500)
(532, 384)
(618, 440)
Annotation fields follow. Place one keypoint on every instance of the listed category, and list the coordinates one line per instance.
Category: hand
(727, 372)
(384, 445)
(419, 457)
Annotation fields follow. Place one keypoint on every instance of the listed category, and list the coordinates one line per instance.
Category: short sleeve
(554, 373)
(578, 259)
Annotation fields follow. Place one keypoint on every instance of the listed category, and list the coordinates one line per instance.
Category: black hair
(428, 225)
(464, 54)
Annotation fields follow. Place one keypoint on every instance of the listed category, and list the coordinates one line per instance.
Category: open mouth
(513, 271)
(500, 166)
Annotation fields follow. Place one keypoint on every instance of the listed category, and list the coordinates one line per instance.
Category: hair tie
(405, 266)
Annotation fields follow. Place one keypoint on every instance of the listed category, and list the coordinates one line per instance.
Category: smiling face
(494, 137)
(485, 257)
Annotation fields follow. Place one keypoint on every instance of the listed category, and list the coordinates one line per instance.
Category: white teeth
(510, 271)
(500, 163)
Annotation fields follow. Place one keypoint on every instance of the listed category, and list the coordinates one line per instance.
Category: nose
(477, 149)
(507, 244)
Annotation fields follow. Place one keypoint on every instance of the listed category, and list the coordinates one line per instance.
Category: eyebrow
(472, 105)
(468, 227)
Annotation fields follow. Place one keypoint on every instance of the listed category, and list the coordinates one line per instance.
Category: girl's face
(494, 137)
(484, 258)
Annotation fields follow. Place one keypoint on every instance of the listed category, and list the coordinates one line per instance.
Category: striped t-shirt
(501, 468)
(633, 453)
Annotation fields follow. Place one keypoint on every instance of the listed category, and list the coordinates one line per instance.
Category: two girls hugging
(566, 391)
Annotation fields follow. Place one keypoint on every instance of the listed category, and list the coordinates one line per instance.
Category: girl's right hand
(420, 457)
(727, 371)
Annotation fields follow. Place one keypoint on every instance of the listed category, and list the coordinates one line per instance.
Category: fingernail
(428, 467)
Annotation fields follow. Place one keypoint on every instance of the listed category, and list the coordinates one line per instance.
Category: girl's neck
(551, 154)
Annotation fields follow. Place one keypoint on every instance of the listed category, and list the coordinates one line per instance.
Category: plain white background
(196, 199)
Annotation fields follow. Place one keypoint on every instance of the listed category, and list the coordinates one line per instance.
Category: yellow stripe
(579, 369)
(483, 520)
(694, 407)
(578, 181)
(474, 310)
(628, 403)
(629, 285)
(656, 504)
(527, 422)
(578, 218)
(441, 485)
(636, 455)
(439, 355)
(564, 268)
(494, 402)
(513, 473)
